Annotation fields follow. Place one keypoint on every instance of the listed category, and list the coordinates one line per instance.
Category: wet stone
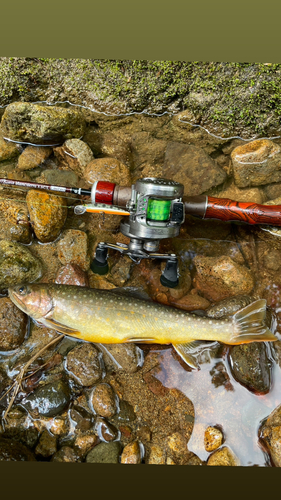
(190, 302)
(58, 178)
(107, 169)
(47, 445)
(251, 366)
(270, 435)
(73, 249)
(103, 400)
(106, 431)
(48, 400)
(83, 363)
(131, 454)
(11, 450)
(224, 456)
(17, 220)
(220, 277)
(83, 444)
(74, 154)
(17, 264)
(33, 156)
(228, 306)
(48, 214)
(127, 357)
(65, 454)
(72, 274)
(213, 438)
(13, 324)
(126, 413)
(105, 453)
(233, 192)
(8, 150)
(256, 163)
(81, 419)
(157, 455)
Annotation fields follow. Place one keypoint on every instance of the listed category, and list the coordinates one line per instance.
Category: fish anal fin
(187, 350)
(50, 323)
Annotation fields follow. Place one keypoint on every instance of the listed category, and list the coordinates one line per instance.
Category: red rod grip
(251, 213)
(104, 192)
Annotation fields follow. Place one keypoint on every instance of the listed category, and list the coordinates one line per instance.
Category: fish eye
(22, 290)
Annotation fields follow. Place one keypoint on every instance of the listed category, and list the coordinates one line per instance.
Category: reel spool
(156, 211)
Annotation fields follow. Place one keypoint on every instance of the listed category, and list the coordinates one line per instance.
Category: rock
(256, 163)
(131, 454)
(229, 306)
(104, 453)
(120, 272)
(194, 460)
(272, 260)
(213, 438)
(58, 178)
(33, 156)
(106, 431)
(220, 277)
(65, 454)
(220, 376)
(224, 456)
(48, 214)
(83, 444)
(103, 400)
(8, 150)
(251, 366)
(48, 400)
(107, 169)
(11, 450)
(84, 365)
(272, 191)
(108, 144)
(233, 192)
(17, 218)
(72, 274)
(148, 153)
(183, 287)
(192, 167)
(47, 445)
(177, 443)
(157, 455)
(126, 413)
(81, 419)
(74, 154)
(127, 357)
(270, 435)
(28, 122)
(190, 302)
(154, 384)
(73, 249)
(17, 264)
(13, 324)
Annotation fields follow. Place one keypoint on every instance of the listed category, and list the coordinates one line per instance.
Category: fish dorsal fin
(187, 350)
(130, 291)
(55, 325)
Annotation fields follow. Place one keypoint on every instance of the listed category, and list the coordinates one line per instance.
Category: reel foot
(169, 277)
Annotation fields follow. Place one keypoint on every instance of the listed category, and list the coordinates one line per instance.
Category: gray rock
(83, 363)
(192, 167)
(105, 453)
(27, 122)
(49, 400)
(251, 366)
(17, 264)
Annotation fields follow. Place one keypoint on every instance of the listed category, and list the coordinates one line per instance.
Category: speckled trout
(107, 317)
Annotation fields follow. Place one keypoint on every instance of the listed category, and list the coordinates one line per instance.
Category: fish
(108, 317)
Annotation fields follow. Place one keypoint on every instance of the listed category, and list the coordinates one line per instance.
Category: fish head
(33, 299)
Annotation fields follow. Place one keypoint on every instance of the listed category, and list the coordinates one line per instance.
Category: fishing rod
(154, 208)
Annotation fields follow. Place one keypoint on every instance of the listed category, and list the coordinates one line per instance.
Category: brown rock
(33, 156)
(13, 324)
(8, 150)
(83, 444)
(65, 454)
(103, 400)
(127, 357)
(213, 438)
(106, 431)
(73, 248)
(108, 144)
(223, 456)
(17, 218)
(256, 163)
(154, 384)
(72, 274)
(221, 277)
(157, 455)
(48, 214)
(74, 154)
(270, 435)
(131, 454)
(233, 192)
(47, 445)
(83, 363)
(107, 169)
(190, 302)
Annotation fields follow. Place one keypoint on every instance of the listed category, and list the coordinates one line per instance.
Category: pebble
(28, 122)
(233, 192)
(17, 264)
(157, 455)
(11, 450)
(58, 178)
(126, 413)
(213, 438)
(48, 400)
(105, 453)
(128, 357)
(17, 219)
(120, 272)
(108, 144)
(190, 302)
(256, 163)
(83, 444)
(103, 400)
(74, 154)
(65, 454)
(48, 214)
(131, 454)
(220, 277)
(81, 419)
(107, 169)
(83, 364)
(251, 366)
(224, 456)
(106, 431)
(13, 324)
(47, 445)
(73, 249)
(33, 156)
(270, 435)
(72, 274)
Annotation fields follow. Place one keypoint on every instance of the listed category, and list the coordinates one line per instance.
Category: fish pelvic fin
(249, 325)
(50, 323)
(186, 352)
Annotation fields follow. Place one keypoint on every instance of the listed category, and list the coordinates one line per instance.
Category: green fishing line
(158, 209)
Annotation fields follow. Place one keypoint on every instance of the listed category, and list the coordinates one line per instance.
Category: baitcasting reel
(156, 211)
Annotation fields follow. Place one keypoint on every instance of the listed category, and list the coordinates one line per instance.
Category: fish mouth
(12, 292)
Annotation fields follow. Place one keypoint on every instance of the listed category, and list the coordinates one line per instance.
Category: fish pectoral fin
(55, 325)
(187, 350)
(141, 340)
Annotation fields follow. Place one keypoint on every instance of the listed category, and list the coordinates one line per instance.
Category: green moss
(224, 97)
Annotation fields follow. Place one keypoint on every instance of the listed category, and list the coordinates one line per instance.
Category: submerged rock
(131, 454)
(65, 454)
(17, 264)
(48, 214)
(270, 434)
(11, 450)
(49, 400)
(73, 248)
(28, 122)
(83, 363)
(17, 218)
(251, 366)
(47, 445)
(105, 453)
(106, 431)
(157, 455)
(107, 169)
(71, 274)
(74, 154)
(13, 324)
(33, 156)
(103, 400)
(229, 306)
(213, 438)
(223, 456)
(127, 357)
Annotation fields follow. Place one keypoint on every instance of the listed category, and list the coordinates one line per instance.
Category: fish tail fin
(249, 324)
